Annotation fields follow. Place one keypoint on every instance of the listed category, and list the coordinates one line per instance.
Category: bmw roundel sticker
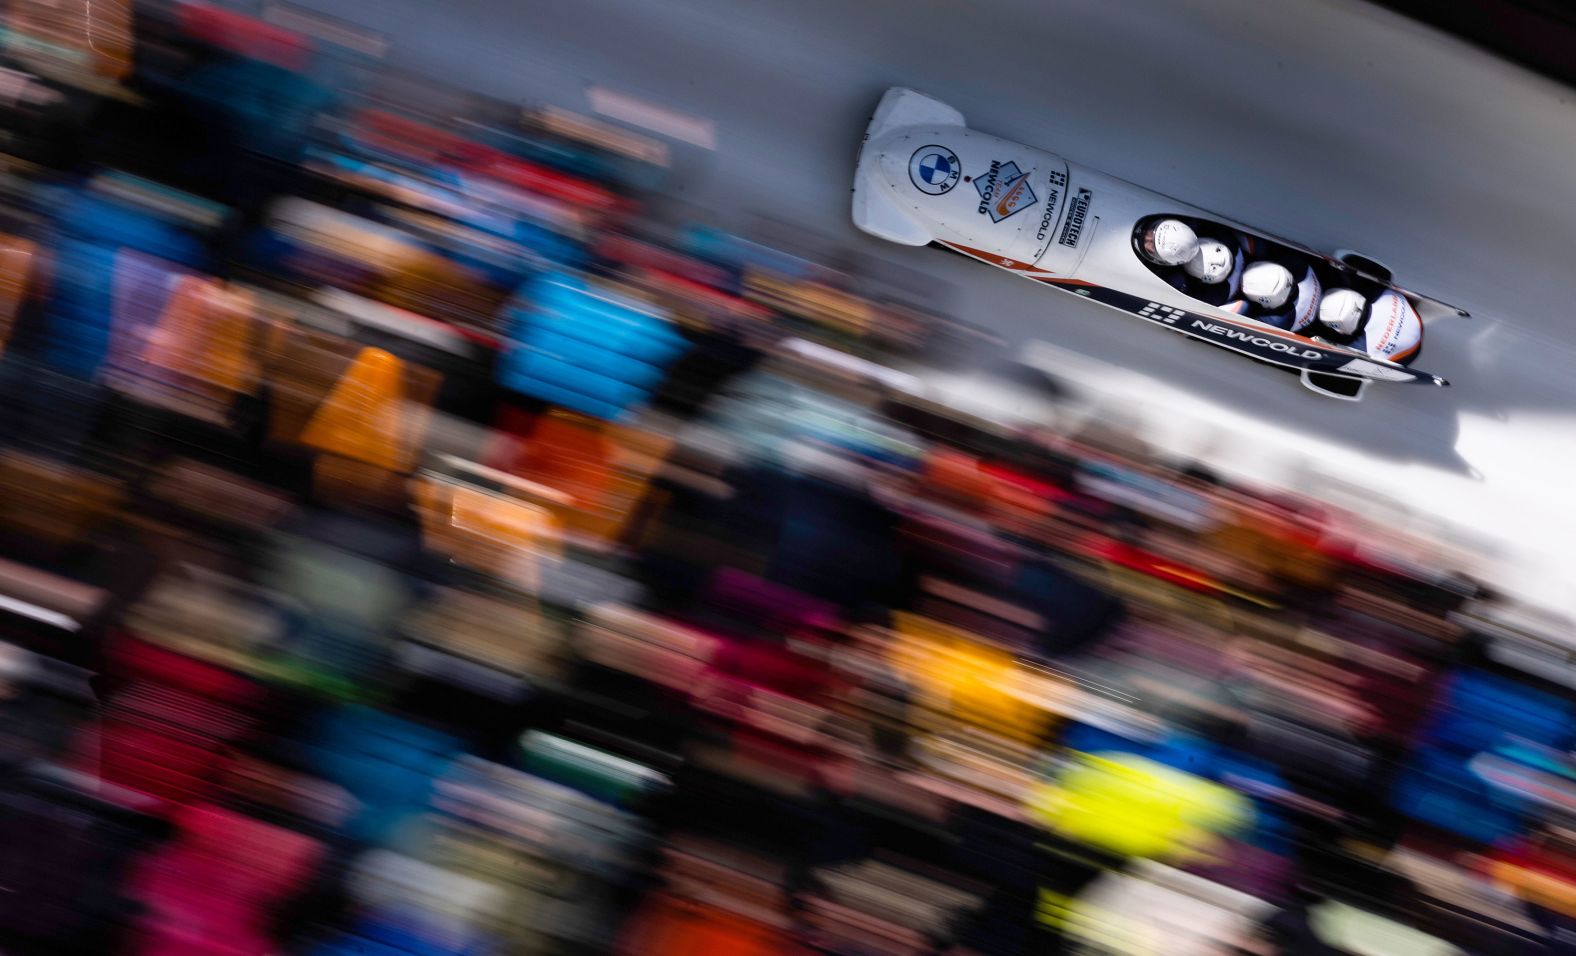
(934, 170)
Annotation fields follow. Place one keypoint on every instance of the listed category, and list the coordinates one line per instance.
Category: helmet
(1212, 262)
(1267, 284)
(1170, 242)
(1341, 310)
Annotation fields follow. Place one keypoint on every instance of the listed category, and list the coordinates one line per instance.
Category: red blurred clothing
(775, 668)
(246, 35)
(776, 703)
(670, 926)
(215, 888)
(169, 721)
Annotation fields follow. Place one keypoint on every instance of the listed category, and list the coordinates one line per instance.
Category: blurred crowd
(415, 540)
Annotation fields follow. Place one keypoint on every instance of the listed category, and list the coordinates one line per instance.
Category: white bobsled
(924, 178)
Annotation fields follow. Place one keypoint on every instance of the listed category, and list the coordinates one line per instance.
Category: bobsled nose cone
(895, 171)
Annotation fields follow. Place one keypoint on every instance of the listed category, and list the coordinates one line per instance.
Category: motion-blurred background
(444, 516)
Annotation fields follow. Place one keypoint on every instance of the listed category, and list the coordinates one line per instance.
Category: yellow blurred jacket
(1134, 806)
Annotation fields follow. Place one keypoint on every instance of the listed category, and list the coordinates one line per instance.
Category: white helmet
(1170, 242)
(1211, 263)
(1267, 284)
(1341, 310)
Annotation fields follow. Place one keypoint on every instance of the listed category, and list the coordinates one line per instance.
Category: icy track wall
(1333, 122)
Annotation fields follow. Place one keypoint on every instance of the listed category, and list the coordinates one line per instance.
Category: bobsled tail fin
(874, 208)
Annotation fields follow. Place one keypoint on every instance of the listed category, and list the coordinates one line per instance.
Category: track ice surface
(1328, 121)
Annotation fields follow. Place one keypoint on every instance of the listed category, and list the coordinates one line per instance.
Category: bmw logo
(934, 170)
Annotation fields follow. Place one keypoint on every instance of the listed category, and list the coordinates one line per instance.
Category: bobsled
(924, 178)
